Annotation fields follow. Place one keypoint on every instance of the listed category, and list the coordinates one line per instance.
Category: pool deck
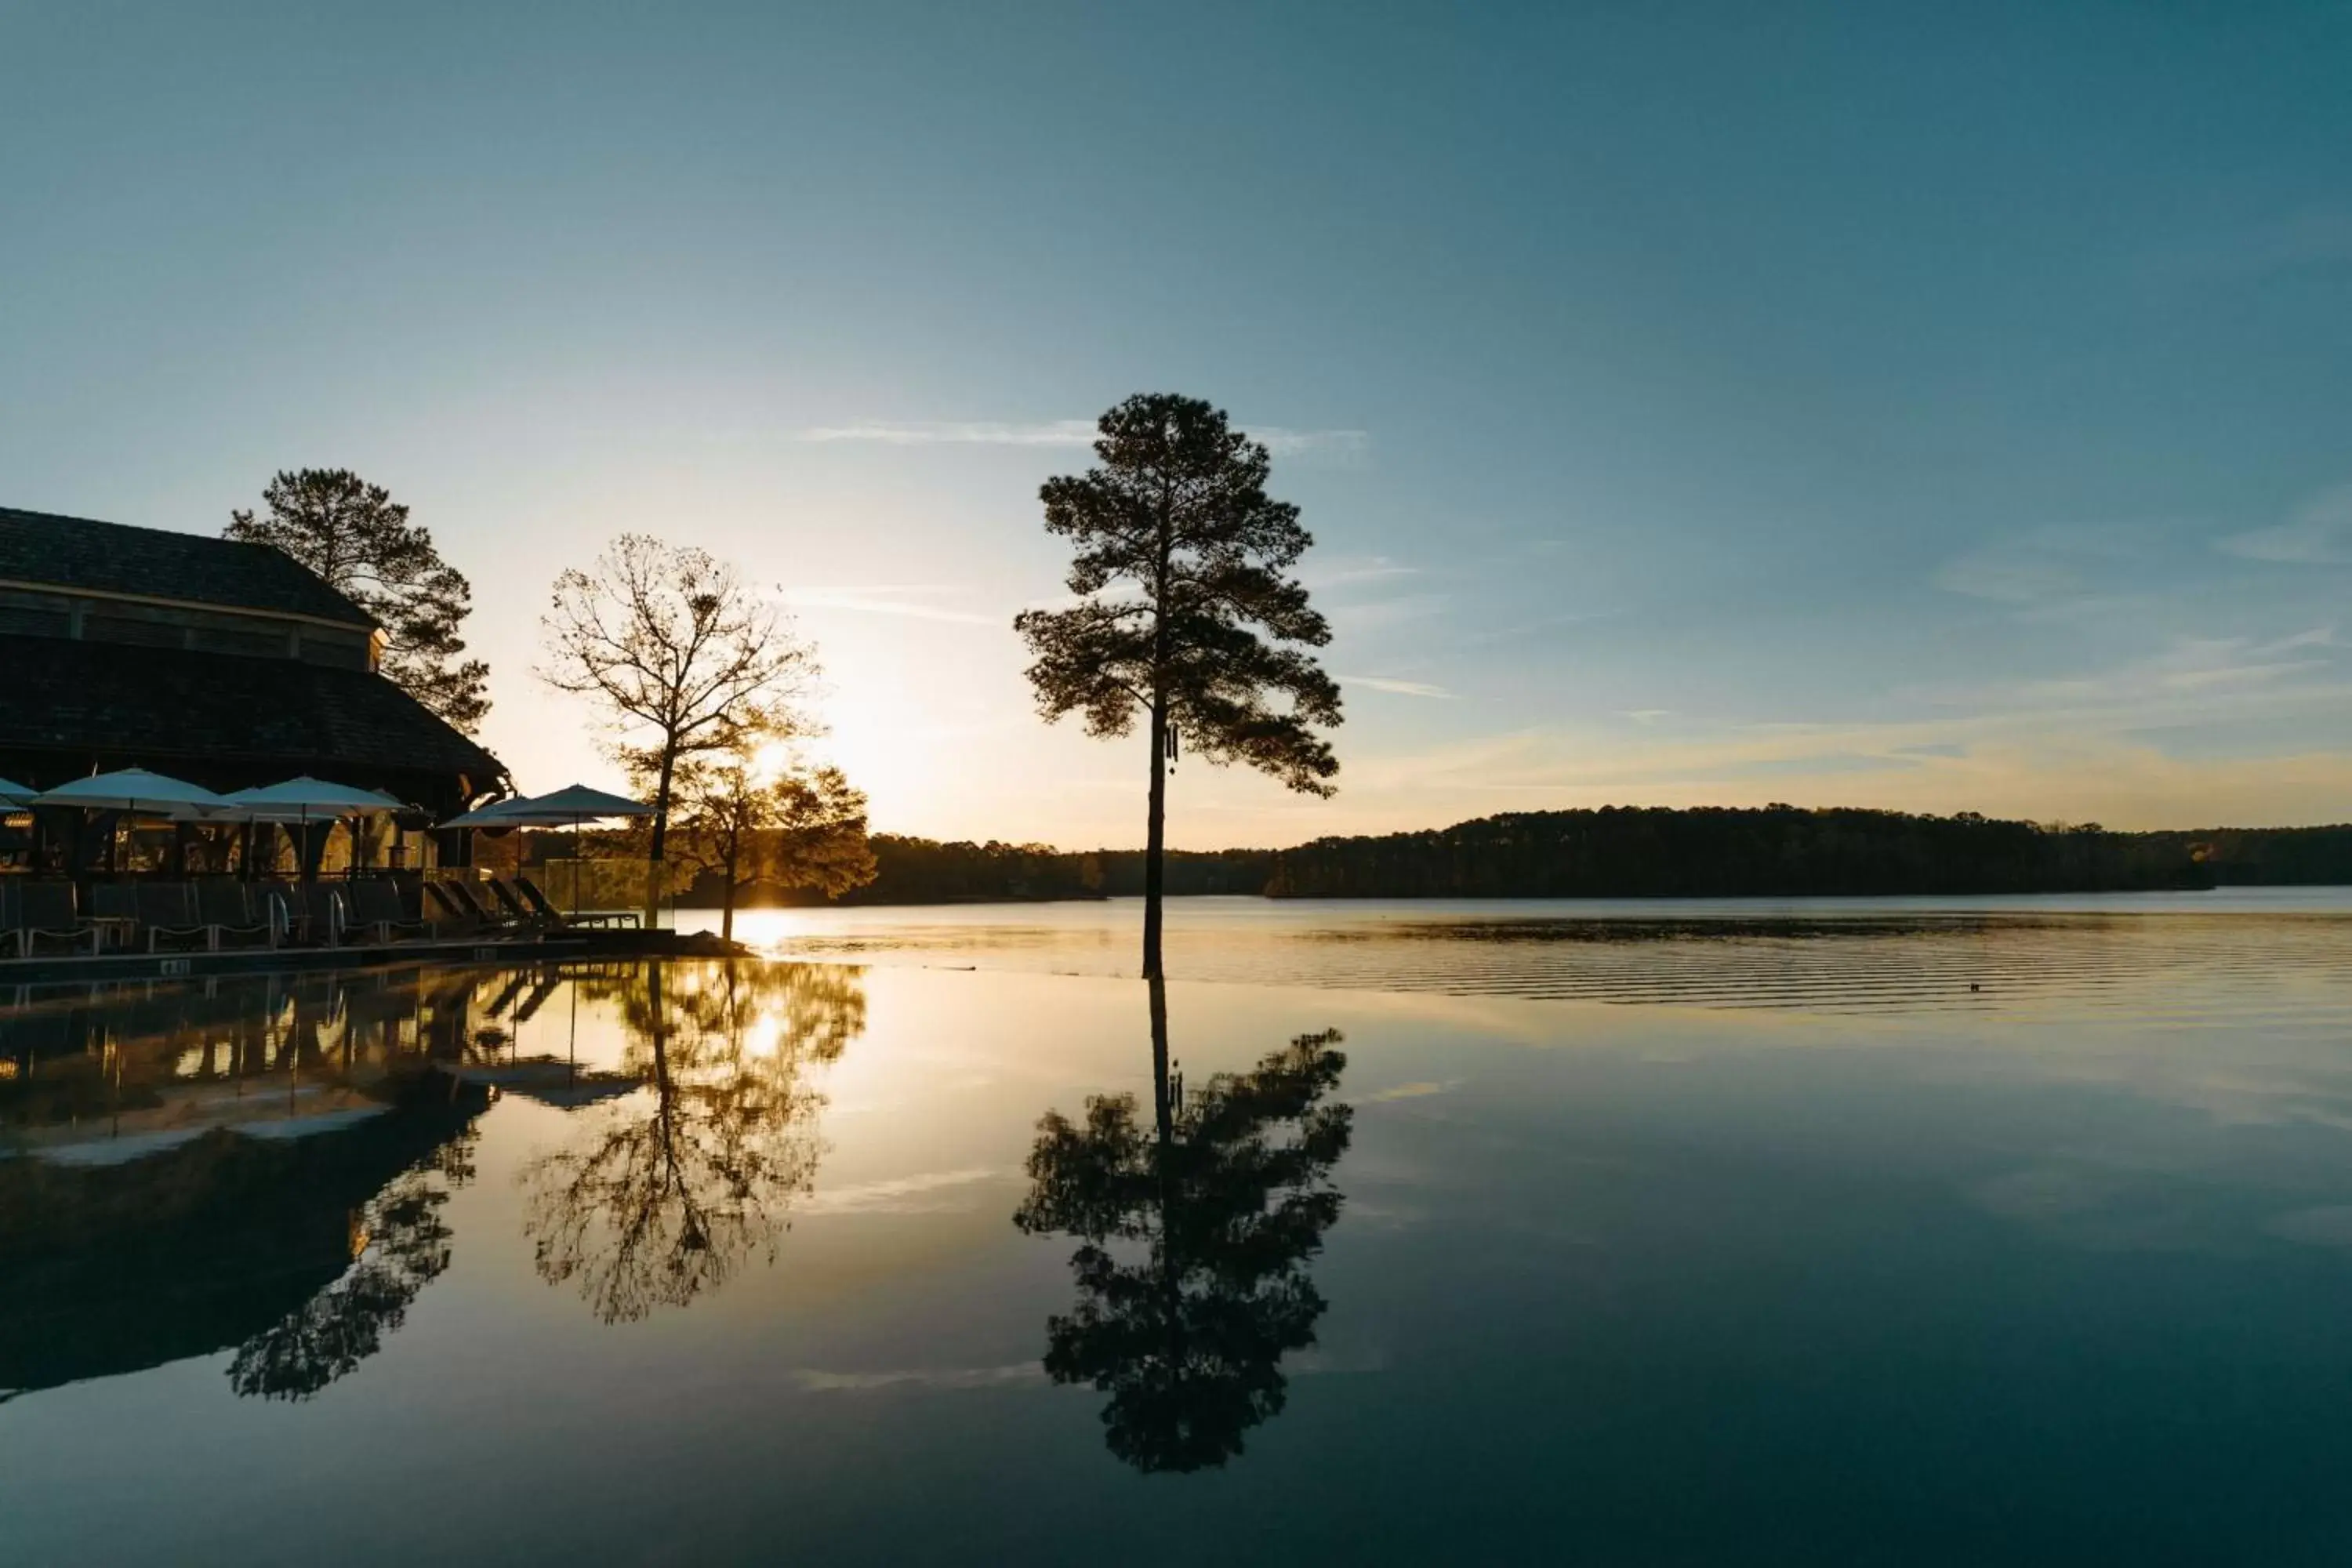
(537, 948)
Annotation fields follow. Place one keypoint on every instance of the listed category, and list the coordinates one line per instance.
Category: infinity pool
(798, 1261)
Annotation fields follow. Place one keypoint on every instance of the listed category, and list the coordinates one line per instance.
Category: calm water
(2151, 954)
(796, 1261)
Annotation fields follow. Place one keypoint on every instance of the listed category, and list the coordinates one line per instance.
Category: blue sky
(1940, 407)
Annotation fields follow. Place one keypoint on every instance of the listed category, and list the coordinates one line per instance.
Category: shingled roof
(153, 563)
(270, 716)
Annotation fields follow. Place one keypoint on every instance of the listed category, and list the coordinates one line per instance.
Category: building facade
(221, 662)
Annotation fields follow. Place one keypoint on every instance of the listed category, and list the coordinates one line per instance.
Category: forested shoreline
(1633, 852)
(1726, 852)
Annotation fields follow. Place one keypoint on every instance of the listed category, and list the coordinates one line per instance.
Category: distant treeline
(1635, 852)
(926, 871)
(1721, 852)
(2270, 857)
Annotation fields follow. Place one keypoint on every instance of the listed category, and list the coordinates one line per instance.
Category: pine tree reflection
(1187, 1341)
(670, 1189)
(400, 1244)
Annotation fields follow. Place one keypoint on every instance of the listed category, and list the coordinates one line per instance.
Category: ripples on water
(2248, 965)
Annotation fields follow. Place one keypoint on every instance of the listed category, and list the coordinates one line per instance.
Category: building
(223, 663)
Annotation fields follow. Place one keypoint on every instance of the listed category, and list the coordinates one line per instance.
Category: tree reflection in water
(1227, 1196)
(669, 1190)
(400, 1244)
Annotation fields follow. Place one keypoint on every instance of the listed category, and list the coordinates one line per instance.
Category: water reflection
(1216, 1207)
(663, 1193)
(257, 1166)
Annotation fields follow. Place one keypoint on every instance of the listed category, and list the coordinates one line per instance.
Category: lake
(1924, 1232)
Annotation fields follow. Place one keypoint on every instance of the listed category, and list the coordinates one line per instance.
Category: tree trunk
(1171, 1221)
(1163, 1102)
(727, 901)
(661, 838)
(1155, 834)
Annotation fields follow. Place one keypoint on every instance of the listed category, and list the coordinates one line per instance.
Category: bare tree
(683, 659)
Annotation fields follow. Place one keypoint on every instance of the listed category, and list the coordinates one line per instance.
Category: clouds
(916, 601)
(1060, 433)
(1396, 687)
(2200, 729)
(2317, 533)
(2063, 564)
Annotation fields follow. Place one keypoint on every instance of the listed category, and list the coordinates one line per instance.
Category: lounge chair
(510, 903)
(234, 909)
(548, 913)
(376, 908)
(38, 912)
(471, 902)
(446, 911)
(167, 913)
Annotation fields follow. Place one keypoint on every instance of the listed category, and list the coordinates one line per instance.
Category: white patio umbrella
(514, 812)
(135, 792)
(574, 806)
(498, 814)
(298, 800)
(15, 793)
(580, 805)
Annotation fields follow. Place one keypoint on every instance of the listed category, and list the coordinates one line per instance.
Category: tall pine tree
(354, 535)
(1186, 616)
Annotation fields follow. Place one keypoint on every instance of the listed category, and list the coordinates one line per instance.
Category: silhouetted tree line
(927, 871)
(1640, 852)
(1627, 852)
(2269, 856)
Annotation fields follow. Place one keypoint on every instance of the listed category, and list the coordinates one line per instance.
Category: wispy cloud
(2318, 534)
(1397, 688)
(922, 1194)
(1019, 1373)
(919, 601)
(1374, 569)
(1529, 628)
(2046, 567)
(1420, 1089)
(1059, 433)
(1648, 715)
(2077, 746)
(958, 431)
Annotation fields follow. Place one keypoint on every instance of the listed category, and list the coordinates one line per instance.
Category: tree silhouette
(670, 1189)
(1227, 1196)
(1185, 612)
(685, 661)
(802, 827)
(401, 1244)
(356, 537)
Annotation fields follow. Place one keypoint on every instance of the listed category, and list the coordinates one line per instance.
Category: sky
(1925, 406)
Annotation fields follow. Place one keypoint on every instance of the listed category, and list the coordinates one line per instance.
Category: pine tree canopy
(355, 537)
(1180, 567)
